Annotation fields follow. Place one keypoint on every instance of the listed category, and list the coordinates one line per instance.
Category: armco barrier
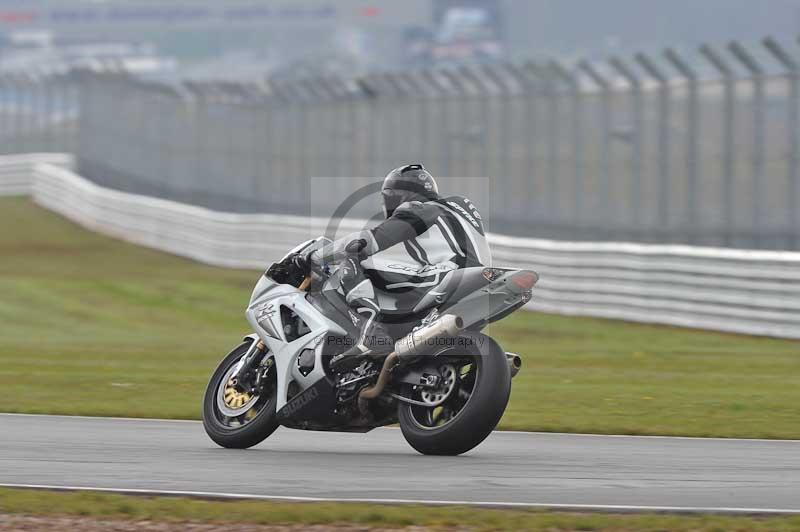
(16, 171)
(754, 292)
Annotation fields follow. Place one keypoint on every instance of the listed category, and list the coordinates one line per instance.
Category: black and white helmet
(407, 183)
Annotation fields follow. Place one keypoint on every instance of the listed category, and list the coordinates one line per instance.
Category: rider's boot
(372, 340)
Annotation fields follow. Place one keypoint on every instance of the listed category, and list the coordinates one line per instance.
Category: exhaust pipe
(411, 345)
(417, 343)
(371, 392)
(514, 363)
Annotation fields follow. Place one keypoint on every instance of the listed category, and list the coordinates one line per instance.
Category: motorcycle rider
(436, 235)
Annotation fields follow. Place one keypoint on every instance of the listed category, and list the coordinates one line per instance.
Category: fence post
(367, 93)
(416, 95)
(327, 104)
(276, 133)
(793, 74)
(381, 155)
(42, 112)
(59, 106)
(528, 94)
(663, 141)
(33, 82)
(48, 123)
(692, 121)
(9, 81)
(504, 191)
(70, 103)
(216, 158)
(196, 127)
(391, 134)
(219, 142)
(322, 142)
(481, 94)
(35, 117)
(605, 149)
(300, 181)
(542, 88)
(265, 121)
(6, 132)
(255, 101)
(307, 98)
(506, 124)
(458, 86)
(279, 132)
(18, 82)
(553, 97)
(354, 98)
(325, 129)
(757, 73)
(24, 100)
(372, 88)
(83, 84)
(348, 98)
(159, 148)
(576, 132)
(636, 138)
(728, 129)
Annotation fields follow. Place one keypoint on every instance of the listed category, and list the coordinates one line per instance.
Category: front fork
(243, 378)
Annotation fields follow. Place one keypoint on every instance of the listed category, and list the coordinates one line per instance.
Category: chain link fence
(38, 112)
(650, 148)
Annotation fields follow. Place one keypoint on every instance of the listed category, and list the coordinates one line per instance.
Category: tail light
(525, 279)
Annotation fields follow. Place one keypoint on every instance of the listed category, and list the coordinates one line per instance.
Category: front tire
(488, 386)
(256, 418)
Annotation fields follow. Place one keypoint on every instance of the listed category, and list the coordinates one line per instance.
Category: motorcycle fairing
(265, 317)
(315, 403)
(492, 300)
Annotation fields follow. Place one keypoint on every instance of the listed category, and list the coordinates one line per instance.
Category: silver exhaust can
(514, 363)
(420, 341)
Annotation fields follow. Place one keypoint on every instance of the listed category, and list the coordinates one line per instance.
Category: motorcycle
(445, 382)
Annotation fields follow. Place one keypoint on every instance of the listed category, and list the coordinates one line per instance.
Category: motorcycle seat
(453, 286)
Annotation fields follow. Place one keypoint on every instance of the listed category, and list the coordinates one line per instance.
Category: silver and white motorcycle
(446, 383)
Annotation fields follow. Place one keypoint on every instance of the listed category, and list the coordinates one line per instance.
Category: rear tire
(477, 418)
(253, 431)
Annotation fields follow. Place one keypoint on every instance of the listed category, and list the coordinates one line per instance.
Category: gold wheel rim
(234, 398)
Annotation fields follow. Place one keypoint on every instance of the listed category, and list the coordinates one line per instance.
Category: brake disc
(230, 400)
(438, 395)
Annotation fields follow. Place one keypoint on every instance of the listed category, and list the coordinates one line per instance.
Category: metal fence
(652, 148)
(38, 112)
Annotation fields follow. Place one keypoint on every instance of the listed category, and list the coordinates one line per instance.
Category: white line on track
(110, 418)
(485, 504)
(517, 432)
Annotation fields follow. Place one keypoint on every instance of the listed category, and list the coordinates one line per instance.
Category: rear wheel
(465, 406)
(234, 418)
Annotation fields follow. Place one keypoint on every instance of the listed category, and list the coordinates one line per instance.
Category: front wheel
(237, 419)
(466, 405)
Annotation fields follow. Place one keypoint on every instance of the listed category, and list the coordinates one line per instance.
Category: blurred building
(253, 35)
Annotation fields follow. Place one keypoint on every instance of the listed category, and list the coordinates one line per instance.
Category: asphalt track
(509, 469)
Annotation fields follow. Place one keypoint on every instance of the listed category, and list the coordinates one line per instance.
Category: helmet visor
(392, 199)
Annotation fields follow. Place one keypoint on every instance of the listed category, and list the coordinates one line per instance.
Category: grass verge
(93, 326)
(104, 505)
